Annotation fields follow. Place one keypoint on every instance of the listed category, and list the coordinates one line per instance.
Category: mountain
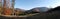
(19, 11)
(54, 9)
(40, 9)
(37, 10)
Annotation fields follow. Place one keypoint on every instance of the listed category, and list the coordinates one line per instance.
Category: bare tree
(4, 7)
(13, 2)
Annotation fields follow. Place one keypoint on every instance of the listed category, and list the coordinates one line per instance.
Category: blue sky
(29, 4)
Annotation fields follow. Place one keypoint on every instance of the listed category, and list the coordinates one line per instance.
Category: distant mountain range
(37, 10)
(40, 9)
(19, 9)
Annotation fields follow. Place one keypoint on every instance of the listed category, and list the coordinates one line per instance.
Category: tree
(13, 2)
(0, 6)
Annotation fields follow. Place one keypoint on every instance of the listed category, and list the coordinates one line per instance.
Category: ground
(37, 16)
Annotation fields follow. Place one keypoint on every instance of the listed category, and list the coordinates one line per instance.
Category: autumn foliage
(7, 12)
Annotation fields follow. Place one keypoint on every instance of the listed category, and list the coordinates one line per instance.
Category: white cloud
(55, 4)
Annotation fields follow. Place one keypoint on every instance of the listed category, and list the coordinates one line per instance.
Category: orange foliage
(7, 12)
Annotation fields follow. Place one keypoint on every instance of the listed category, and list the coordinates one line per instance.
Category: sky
(29, 4)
